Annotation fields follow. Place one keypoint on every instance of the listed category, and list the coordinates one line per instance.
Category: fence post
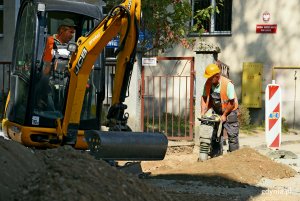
(134, 100)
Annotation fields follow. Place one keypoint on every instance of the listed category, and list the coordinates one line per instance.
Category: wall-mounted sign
(266, 28)
(266, 16)
(152, 61)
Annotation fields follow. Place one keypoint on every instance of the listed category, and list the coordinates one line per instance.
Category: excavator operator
(65, 33)
(55, 59)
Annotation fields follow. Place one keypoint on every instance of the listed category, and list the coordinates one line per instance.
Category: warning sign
(266, 28)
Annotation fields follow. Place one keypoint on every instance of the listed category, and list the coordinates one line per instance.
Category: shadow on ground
(203, 187)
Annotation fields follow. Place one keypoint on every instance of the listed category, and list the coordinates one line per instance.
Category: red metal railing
(168, 100)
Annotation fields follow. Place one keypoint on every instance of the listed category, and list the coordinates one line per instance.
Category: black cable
(122, 45)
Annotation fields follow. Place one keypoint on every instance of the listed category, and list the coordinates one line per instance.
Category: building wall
(10, 16)
(278, 49)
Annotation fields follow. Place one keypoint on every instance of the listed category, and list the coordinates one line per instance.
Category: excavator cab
(36, 100)
(42, 111)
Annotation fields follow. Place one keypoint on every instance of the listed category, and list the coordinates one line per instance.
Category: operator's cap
(68, 22)
(211, 70)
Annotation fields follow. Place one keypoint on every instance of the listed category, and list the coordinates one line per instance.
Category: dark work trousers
(232, 128)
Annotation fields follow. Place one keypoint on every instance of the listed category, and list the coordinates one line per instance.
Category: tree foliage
(167, 22)
(203, 15)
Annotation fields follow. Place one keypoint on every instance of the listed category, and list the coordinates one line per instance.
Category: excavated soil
(68, 174)
(234, 176)
(242, 166)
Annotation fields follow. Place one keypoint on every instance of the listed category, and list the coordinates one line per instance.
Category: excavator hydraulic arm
(124, 20)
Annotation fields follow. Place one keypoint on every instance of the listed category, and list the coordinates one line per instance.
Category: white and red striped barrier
(273, 112)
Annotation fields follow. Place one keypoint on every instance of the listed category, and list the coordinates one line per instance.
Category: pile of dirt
(65, 174)
(16, 163)
(242, 166)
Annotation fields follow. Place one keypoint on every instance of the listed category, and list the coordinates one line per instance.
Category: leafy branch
(166, 23)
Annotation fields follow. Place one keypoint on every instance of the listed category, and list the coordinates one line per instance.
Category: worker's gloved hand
(223, 118)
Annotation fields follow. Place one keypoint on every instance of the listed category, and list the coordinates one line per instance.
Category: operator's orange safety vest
(48, 49)
(223, 94)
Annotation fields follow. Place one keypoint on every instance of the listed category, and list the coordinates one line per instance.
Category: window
(219, 23)
(1, 18)
(50, 105)
(23, 63)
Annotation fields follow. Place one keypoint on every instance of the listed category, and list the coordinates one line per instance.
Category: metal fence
(224, 68)
(168, 97)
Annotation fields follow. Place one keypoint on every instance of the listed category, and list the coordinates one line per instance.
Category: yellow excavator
(67, 108)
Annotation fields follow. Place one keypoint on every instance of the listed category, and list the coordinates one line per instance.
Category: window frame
(212, 22)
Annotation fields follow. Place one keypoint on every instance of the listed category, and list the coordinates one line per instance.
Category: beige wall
(10, 16)
(279, 49)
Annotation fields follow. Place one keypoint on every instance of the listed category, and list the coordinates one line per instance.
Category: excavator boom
(123, 20)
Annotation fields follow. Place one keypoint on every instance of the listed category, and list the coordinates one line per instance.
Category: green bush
(284, 125)
(244, 117)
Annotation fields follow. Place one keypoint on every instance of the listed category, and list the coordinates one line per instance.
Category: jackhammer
(211, 137)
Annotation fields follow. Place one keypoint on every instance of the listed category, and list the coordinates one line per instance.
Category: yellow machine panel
(252, 85)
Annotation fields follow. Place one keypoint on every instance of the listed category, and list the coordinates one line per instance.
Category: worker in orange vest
(65, 33)
(55, 50)
(219, 94)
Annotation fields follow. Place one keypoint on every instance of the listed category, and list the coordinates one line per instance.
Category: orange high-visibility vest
(223, 93)
(48, 49)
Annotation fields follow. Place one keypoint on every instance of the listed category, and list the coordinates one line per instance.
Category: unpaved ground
(251, 173)
(67, 174)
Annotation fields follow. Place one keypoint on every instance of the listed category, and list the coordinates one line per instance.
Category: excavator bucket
(130, 146)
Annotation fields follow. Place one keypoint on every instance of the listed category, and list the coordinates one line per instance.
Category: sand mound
(65, 174)
(245, 166)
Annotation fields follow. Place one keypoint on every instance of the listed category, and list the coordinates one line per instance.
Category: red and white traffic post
(273, 112)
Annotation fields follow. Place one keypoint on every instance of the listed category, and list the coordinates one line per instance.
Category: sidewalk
(288, 152)
(290, 141)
